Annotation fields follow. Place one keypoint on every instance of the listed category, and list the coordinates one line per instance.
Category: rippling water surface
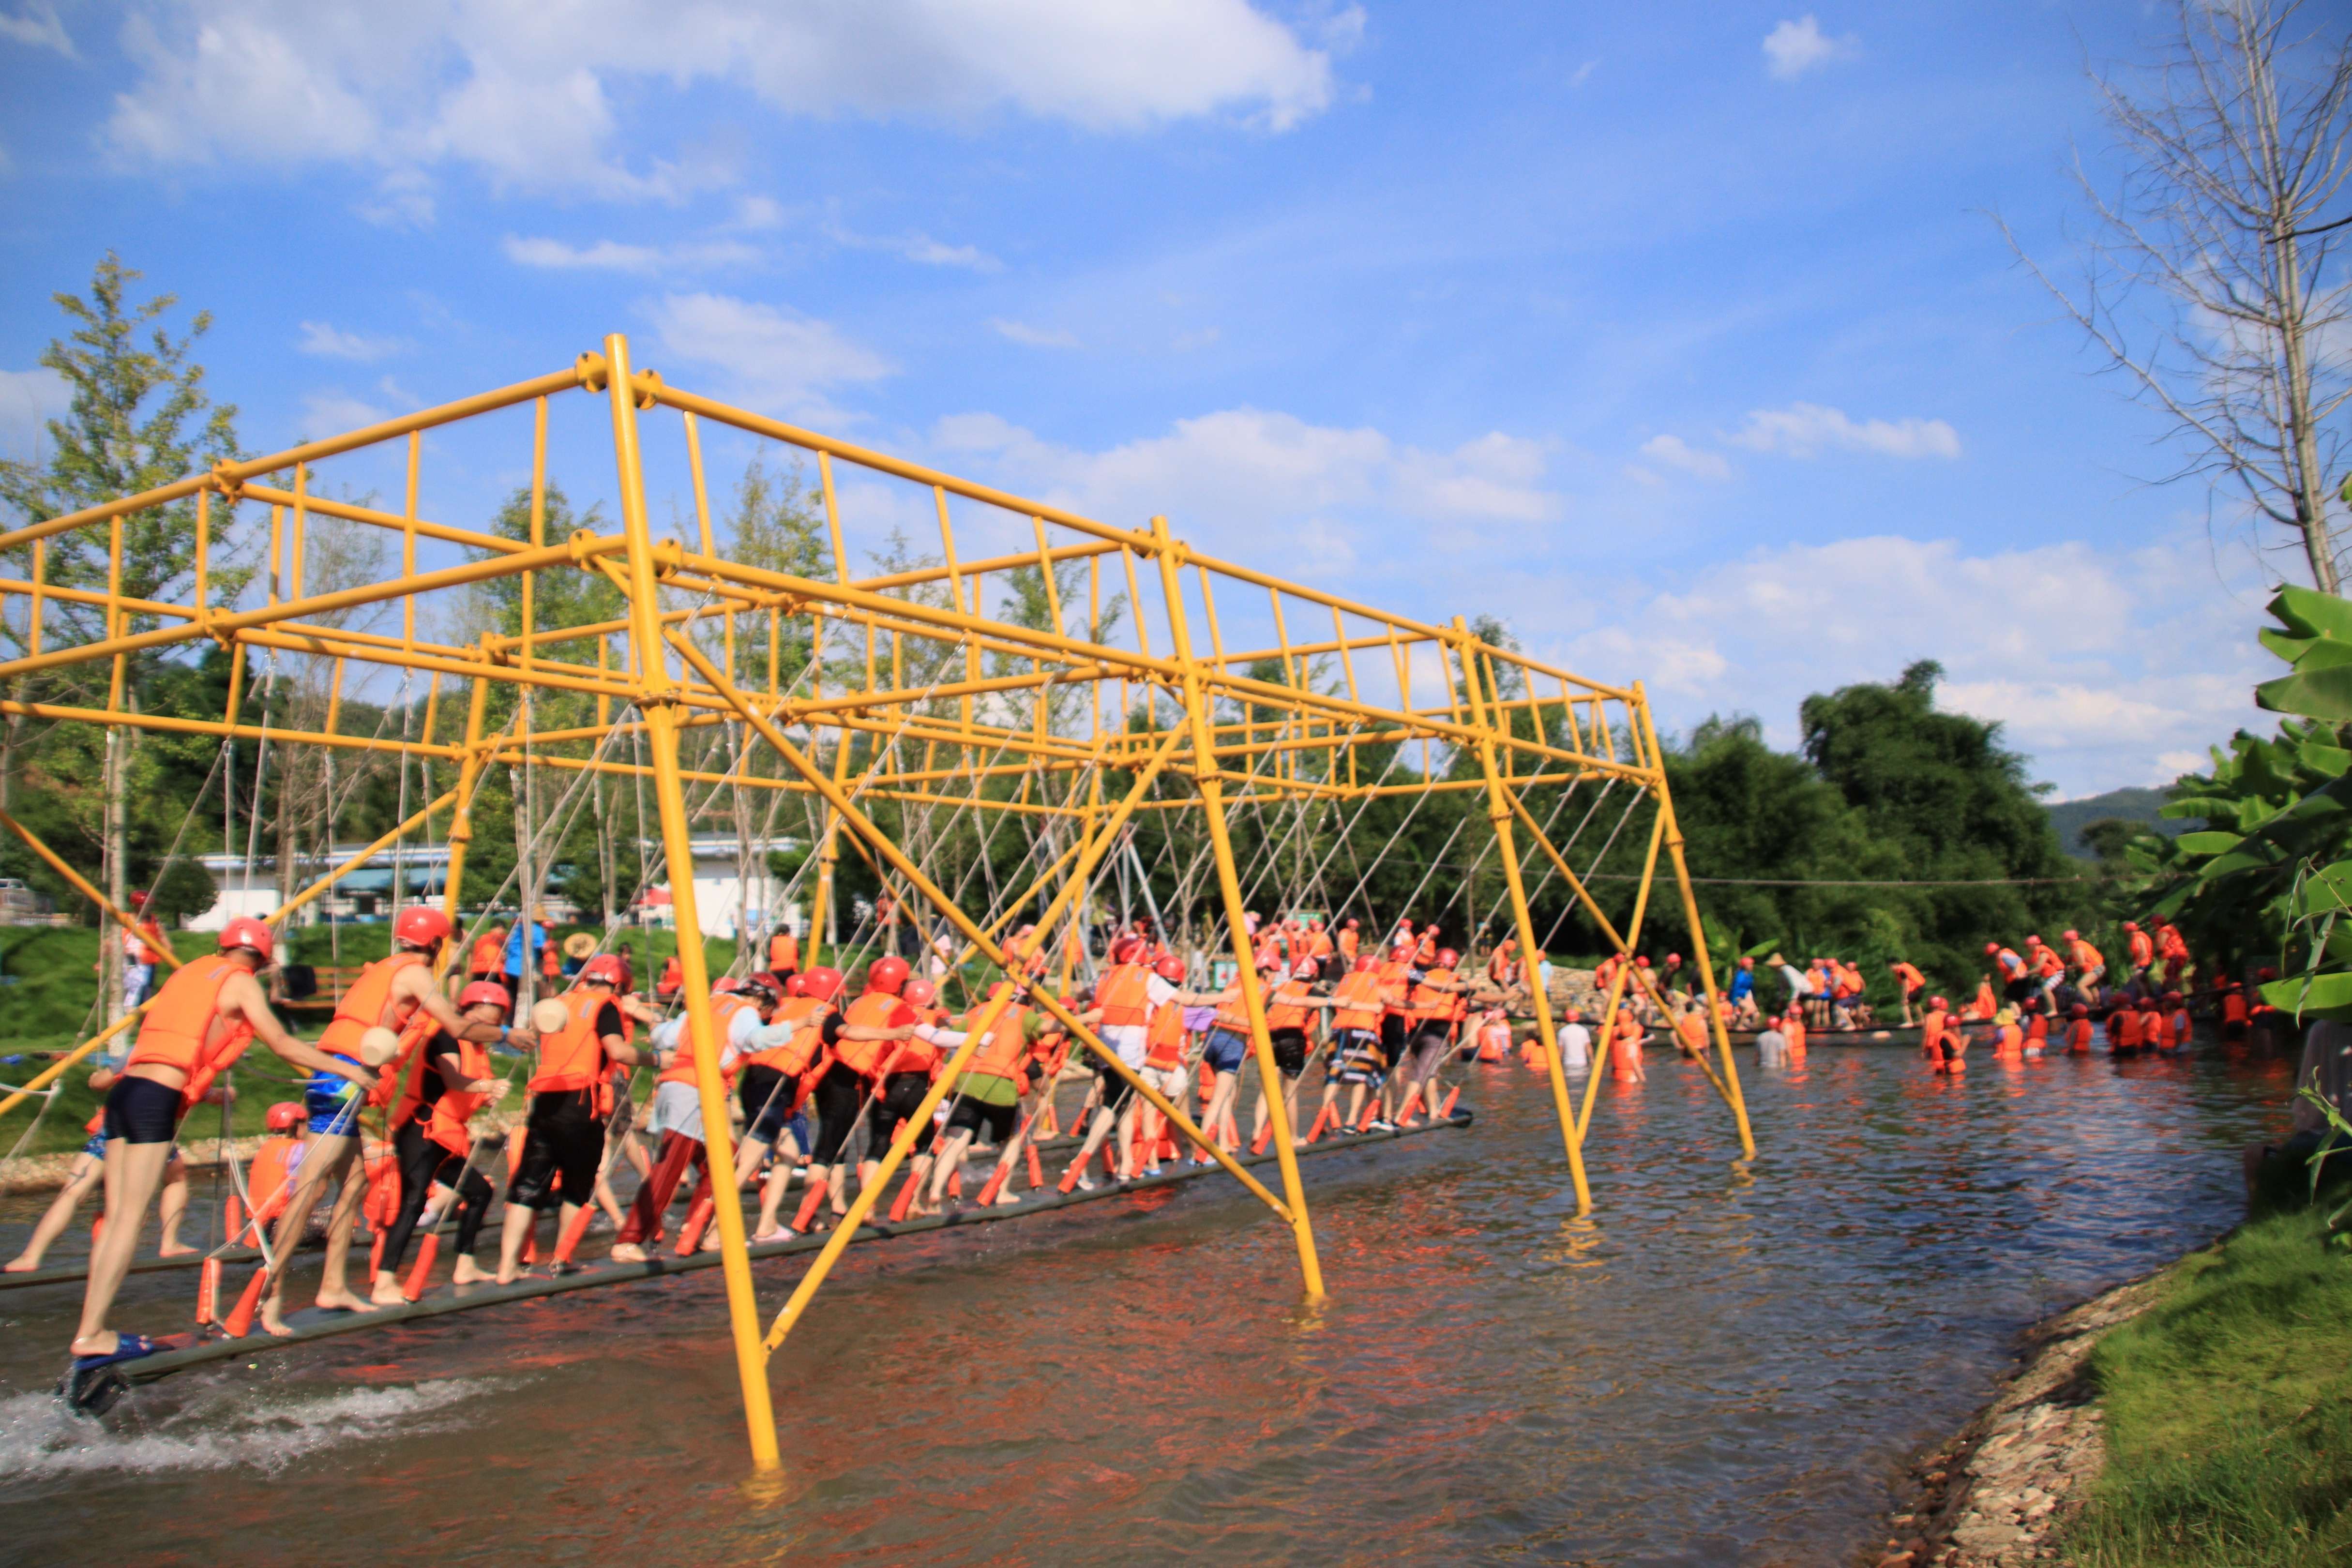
(1727, 1365)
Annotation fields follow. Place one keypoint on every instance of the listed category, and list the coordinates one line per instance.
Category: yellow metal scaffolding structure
(1011, 710)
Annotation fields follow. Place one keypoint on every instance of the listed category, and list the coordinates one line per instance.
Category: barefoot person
(390, 994)
(1910, 982)
(737, 1009)
(450, 1064)
(198, 1025)
(82, 1179)
(570, 1101)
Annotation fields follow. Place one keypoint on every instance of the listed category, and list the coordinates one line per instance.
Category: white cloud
(1674, 452)
(916, 247)
(1808, 430)
(2170, 765)
(332, 411)
(772, 358)
(29, 400)
(402, 199)
(1032, 337)
(1792, 48)
(2104, 671)
(331, 342)
(531, 96)
(36, 27)
(613, 256)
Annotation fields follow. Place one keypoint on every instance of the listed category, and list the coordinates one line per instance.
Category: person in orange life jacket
(2090, 966)
(1432, 1005)
(1690, 1030)
(2141, 949)
(1625, 1048)
(2078, 1030)
(482, 964)
(2037, 1034)
(988, 1091)
(1953, 1045)
(851, 1075)
(1289, 1008)
(672, 980)
(1126, 997)
(571, 1099)
(1357, 1057)
(82, 1178)
(1933, 1023)
(454, 1073)
(398, 992)
(1349, 940)
(1910, 982)
(198, 1025)
(737, 1010)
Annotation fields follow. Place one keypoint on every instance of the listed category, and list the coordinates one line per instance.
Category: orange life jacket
(368, 1004)
(673, 976)
(1494, 1040)
(875, 1010)
(722, 1018)
(1429, 1004)
(1163, 1037)
(1007, 1045)
(573, 1057)
(1359, 997)
(1124, 995)
(1286, 1008)
(1347, 942)
(183, 1026)
(456, 1105)
(806, 1016)
(1931, 1031)
(1391, 974)
(2125, 1027)
(2078, 1036)
(783, 951)
(266, 1176)
(489, 951)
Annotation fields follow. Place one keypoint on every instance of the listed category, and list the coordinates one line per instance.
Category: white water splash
(248, 1428)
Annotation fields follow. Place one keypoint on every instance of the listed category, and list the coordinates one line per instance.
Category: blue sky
(1680, 336)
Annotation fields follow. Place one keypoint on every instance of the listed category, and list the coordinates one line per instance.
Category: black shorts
(1116, 1090)
(564, 1138)
(1391, 1035)
(970, 1116)
(767, 1099)
(140, 1111)
(838, 1094)
(902, 1095)
(1289, 1051)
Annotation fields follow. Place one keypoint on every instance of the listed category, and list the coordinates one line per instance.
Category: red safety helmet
(421, 925)
(1170, 967)
(285, 1116)
(759, 979)
(1643, 962)
(1305, 969)
(605, 968)
(1447, 958)
(822, 983)
(2172, 995)
(485, 992)
(2079, 1011)
(1126, 950)
(2265, 972)
(1366, 964)
(247, 932)
(1674, 958)
(1352, 922)
(2034, 942)
(886, 974)
(1938, 1002)
(919, 993)
(2131, 925)
(2069, 935)
(727, 987)
(797, 985)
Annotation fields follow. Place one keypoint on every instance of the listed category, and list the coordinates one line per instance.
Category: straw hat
(579, 944)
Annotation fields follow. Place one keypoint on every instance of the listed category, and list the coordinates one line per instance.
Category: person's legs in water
(133, 1172)
(84, 1177)
(330, 1155)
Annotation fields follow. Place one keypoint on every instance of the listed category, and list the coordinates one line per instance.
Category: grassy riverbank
(2229, 1411)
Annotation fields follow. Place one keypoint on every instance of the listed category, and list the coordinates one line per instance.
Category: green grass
(51, 981)
(2229, 1411)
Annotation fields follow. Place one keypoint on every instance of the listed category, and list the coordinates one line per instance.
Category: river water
(1725, 1365)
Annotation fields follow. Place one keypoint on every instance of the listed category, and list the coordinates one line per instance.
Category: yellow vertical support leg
(1212, 808)
(1498, 811)
(659, 694)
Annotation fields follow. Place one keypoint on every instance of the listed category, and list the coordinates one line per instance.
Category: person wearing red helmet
(1503, 964)
(570, 1104)
(1348, 940)
(1934, 1021)
(398, 992)
(778, 1073)
(1432, 1006)
(738, 1012)
(1291, 1011)
(1909, 983)
(1128, 997)
(2171, 947)
(853, 1077)
(2089, 966)
(987, 1093)
(453, 1080)
(199, 1022)
(2142, 948)
(1356, 1056)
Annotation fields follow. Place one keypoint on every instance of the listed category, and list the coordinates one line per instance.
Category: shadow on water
(1726, 1364)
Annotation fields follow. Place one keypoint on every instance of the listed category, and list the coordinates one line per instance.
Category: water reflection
(1724, 1363)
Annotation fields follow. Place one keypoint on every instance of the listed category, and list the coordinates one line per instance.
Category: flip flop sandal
(93, 1383)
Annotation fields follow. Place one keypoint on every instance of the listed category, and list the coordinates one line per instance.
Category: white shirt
(1771, 1048)
(1575, 1046)
(742, 1036)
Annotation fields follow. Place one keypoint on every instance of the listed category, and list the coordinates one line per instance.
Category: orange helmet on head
(1644, 962)
(919, 993)
(797, 985)
(1674, 958)
(821, 983)
(251, 935)
(1126, 950)
(1447, 958)
(1170, 968)
(1352, 922)
(285, 1116)
(2070, 936)
(886, 974)
(1938, 1002)
(605, 968)
(1366, 964)
(421, 925)
(1991, 948)
(2131, 925)
(485, 994)
(2079, 1011)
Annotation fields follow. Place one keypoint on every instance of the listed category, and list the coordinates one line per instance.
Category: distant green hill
(2070, 817)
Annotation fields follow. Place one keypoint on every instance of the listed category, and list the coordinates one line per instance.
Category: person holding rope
(1433, 1005)
(1126, 997)
(1356, 1058)
(200, 1022)
(988, 1093)
(447, 1064)
(737, 1010)
(775, 1083)
(1288, 1007)
(571, 1100)
(397, 992)
(850, 1079)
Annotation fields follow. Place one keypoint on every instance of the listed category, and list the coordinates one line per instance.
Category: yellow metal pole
(1213, 807)
(82, 885)
(57, 1069)
(461, 825)
(661, 727)
(354, 862)
(1625, 947)
(1500, 813)
(1731, 1084)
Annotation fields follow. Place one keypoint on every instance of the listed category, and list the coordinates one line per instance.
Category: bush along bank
(2201, 1418)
